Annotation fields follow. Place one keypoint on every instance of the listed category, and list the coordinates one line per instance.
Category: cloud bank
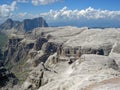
(43, 2)
(38, 2)
(88, 17)
(6, 10)
(22, 1)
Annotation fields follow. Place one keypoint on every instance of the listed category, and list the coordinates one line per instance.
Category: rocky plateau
(64, 58)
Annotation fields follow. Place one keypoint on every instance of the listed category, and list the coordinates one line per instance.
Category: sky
(89, 13)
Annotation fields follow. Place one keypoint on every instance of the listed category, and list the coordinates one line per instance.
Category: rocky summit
(64, 58)
(27, 24)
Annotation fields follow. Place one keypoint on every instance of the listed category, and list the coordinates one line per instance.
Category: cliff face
(27, 24)
(66, 58)
(7, 79)
(30, 24)
(1, 55)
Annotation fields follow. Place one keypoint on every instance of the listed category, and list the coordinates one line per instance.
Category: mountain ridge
(25, 25)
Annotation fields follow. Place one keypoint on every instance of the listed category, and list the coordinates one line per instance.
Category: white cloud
(89, 13)
(43, 2)
(85, 17)
(22, 16)
(5, 10)
(38, 2)
(76, 16)
(22, 1)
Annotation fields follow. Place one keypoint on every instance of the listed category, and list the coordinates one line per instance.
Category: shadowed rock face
(7, 78)
(27, 24)
(39, 42)
(30, 24)
(1, 55)
(49, 48)
(8, 24)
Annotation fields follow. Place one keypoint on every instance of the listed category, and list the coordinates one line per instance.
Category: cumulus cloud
(89, 15)
(22, 1)
(43, 2)
(5, 10)
(86, 17)
(38, 2)
(23, 15)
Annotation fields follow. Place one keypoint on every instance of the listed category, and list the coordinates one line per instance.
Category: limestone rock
(85, 71)
(7, 79)
(49, 47)
(35, 79)
(94, 54)
(42, 57)
(115, 53)
(39, 42)
(52, 60)
(110, 84)
(116, 48)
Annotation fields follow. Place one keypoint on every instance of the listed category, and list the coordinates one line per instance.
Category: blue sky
(91, 13)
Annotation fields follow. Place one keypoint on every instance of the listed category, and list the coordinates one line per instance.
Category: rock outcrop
(39, 42)
(7, 79)
(36, 78)
(87, 70)
(27, 24)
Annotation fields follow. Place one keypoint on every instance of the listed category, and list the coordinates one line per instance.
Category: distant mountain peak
(26, 24)
(9, 20)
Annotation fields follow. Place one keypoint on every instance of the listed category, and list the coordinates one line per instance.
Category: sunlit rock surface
(65, 58)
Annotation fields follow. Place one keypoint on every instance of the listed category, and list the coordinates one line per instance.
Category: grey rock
(86, 70)
(52, 60)
(35, 79)
(49, 47)
(7, 79)
(39, 42)
(116, 48)
(40, 58)
(46, 61)
(1, 55)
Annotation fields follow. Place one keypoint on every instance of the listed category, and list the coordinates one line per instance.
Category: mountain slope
(27, 24)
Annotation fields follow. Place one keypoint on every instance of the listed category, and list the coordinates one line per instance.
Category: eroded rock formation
(64, 58)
